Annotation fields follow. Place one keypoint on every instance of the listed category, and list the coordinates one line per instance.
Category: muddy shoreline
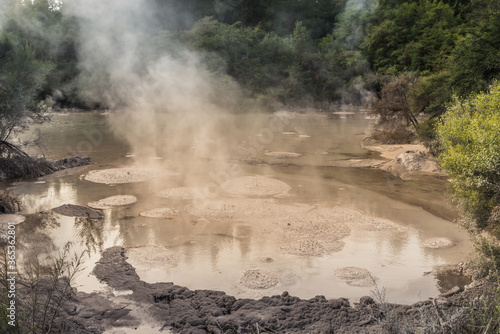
(180, 310)
(50, 167)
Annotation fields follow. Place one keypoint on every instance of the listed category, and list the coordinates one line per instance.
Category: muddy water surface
(279, 223)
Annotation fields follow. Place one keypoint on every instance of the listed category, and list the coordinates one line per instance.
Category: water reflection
(91, 233)
(36, 197)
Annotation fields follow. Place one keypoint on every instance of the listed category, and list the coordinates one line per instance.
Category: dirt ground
(181, 310)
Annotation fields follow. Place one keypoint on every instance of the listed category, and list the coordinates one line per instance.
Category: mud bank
(407, 161)
(15, 168)
(166, 306)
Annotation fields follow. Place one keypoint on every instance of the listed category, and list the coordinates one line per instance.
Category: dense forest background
(285, 51)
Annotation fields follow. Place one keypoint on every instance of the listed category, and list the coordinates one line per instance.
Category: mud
(259, 279)
(438, 243)
(355, 276)
(255, 186)
(182, 193)
(108, 202)
(159, 213)
(303, 230)
(124, 175)
(283, 155)
(407, 161)
(72, 210)
(182, 310)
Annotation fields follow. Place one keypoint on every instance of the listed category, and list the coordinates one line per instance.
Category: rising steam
(168, 106)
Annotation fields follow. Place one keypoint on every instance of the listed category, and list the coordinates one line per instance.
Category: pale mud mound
(357, 220)
(302, 230)
(438, 243)
(257, 211)
(258, 279)
(283, 155)
(111, 201)
(183, 193)
(374, 224)
(152, 257)
(159, 213)
(412, 161)
(355, 276)
(71, 210)
(124, 175)
(313, 233)
(311, 247)
(256, 186)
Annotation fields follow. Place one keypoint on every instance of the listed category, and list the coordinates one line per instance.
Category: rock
(366, 300)
(70, 163)
(72, 210)
(451, 292)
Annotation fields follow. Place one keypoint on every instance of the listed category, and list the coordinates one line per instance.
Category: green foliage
(412, 36)
(431, 94)
(469, 138)
(22, 77)
(476, 58)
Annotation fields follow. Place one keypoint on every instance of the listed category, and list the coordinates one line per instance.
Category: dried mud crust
(355, 276)
(147, 257)
(438, 242)
(124, 175)
(283, 155)
(159, 213)
(111, 201)
(182, 310)
(258, 279)
(302, 230)
(183, 193)
(255, 186)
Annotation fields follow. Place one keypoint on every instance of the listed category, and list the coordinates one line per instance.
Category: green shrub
(469, 138)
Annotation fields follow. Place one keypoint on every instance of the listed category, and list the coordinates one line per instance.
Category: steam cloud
(167, 105)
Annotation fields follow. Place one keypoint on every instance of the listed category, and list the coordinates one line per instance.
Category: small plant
(42, 289)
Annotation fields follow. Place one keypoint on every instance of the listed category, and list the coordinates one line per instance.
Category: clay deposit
(255, 186)
(355, 276)
(159, 213)
(302, 230)
(123, 175)
(259, 279)
(438, 243)
(182, 193)
(152, 257)
(108, 202)
(406, 161)
(283, 155)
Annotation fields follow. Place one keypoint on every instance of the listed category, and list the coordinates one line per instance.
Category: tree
(412, 36)
(476, 58)
(22, 77)
(469, 138)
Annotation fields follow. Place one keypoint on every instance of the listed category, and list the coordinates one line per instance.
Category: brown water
(201, 249)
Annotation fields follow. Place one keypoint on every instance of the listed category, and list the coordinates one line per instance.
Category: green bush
(469, 138)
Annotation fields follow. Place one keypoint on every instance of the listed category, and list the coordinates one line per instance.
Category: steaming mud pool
(285, 221)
